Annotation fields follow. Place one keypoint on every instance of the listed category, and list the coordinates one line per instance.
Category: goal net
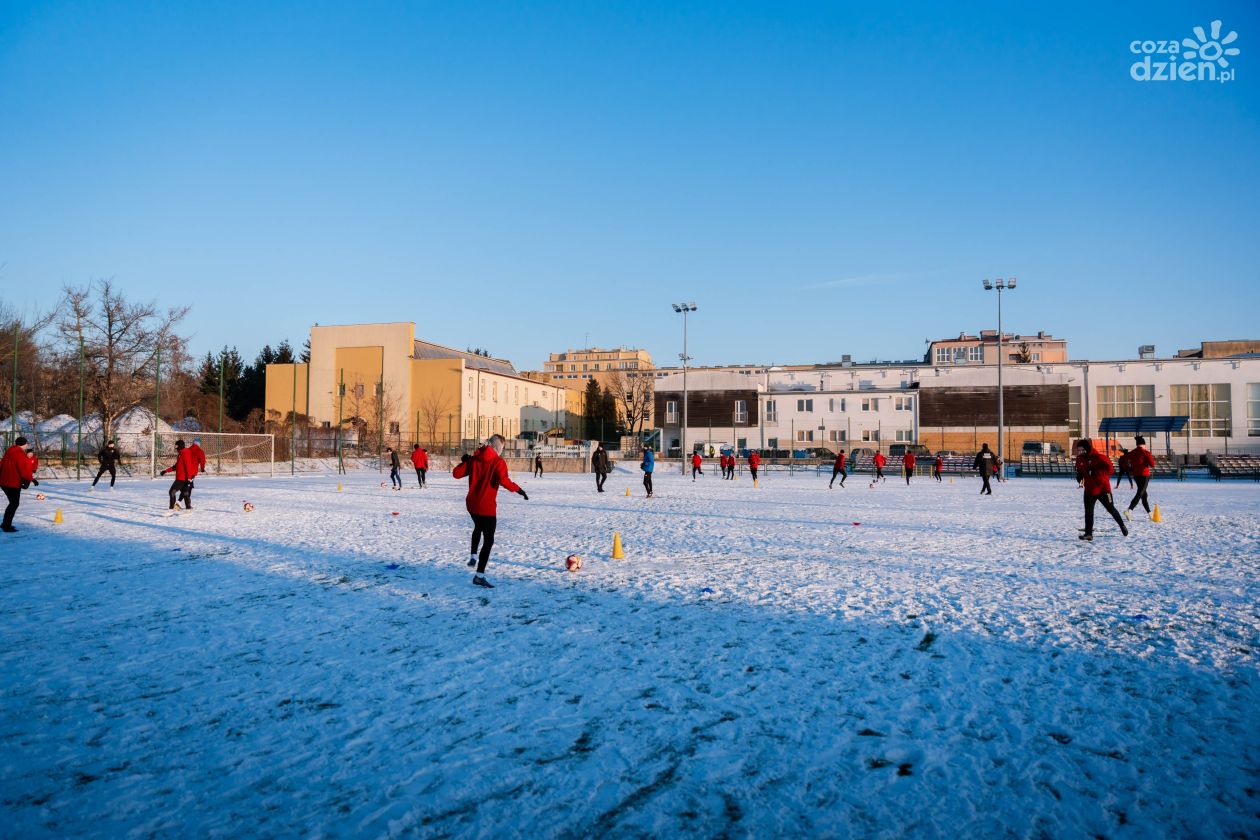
(226, 453)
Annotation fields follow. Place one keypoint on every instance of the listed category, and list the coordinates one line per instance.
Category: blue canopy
(1142, 425)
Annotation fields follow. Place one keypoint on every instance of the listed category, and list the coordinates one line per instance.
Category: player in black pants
(108, 459)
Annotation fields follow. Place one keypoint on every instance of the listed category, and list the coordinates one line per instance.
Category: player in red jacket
(837, 469)
(420, 460)
(1141, 462)
(16, 474)
(1095, 471)
(185, 469)
(937, 466)
(486, 472)
(198, 454)
(754, 461)
(880, 460)
(907, 465)
(696, 461)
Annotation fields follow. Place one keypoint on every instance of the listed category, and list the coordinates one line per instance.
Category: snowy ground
(759, 664)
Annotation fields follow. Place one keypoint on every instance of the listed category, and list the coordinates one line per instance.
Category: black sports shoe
(9, 529)
(1087, 537)
(472, 561)
(1124, 531)
(478, 580)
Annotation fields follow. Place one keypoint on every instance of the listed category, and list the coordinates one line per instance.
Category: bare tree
(634, 395)
(121, 342)
(434, 407)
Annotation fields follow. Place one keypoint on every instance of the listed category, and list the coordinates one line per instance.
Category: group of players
(487, 472)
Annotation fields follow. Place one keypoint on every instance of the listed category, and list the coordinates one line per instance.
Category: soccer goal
(226, 453)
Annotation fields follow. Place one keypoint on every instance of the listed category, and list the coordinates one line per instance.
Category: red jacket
(199, 457)
(1141, 462)
(840, 461)
(420, 459)
(938, 464)
(15, 468)
(880, 460)
(1097, 469)
(908, 461)
(486, 472)
(695, 460)
(754, 460)
(185, 465)
(723, 461)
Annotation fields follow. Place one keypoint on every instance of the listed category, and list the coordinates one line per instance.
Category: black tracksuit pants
(600, 478)
(14, 495)
(1142, 482)
(1108, 505)
(420, 475)
(838, 472)
(181, 490)
(986, 489)
(113, 474)
(647, 482)
(483, 532)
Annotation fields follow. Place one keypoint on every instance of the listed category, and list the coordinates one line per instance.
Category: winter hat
(1140, 441)
(19, 441)
(197, 441)
(179, 444)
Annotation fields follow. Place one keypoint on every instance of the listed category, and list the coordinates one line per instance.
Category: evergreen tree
(306, 352)
(591, 404)
(284, 354)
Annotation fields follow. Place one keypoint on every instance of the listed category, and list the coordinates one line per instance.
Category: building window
(671, 411)
(836, 435)
(905, 435)
(804, 435)
(772, 411)
(597, 366)
(516, 394)
(741, 411)
(393, 428)
(1253, 409)
(832, 404)
(1074, 411)
(572, 368)
(1036, 357)
(903, 403)
(870, 434)
(943, 355)
(870, 404)
(1207, 406)
(494, 391)
(1126, 401)
(482, 391)
(975, 353)
(470, 380)
(805, 405)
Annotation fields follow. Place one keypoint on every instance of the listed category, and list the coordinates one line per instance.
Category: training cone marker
(338, 487)
(57, 518)
(617, 554)
(627, 491)
(1155, 517)
(754, 482)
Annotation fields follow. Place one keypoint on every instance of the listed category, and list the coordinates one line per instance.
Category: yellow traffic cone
(1155, 517)
(754, 482)
(617, 554)
(627, 491)
(57, 518)
(339, 487)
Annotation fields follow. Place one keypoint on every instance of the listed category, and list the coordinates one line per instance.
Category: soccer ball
(573, 562)
(39, 497)
(382, 485)
(249, 506)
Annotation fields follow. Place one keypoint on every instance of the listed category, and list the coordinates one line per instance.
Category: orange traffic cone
(1155, 517)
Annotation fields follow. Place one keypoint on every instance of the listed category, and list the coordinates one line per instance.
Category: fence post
(153, 453)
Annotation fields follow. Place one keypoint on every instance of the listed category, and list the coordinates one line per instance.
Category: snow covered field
(759, 664)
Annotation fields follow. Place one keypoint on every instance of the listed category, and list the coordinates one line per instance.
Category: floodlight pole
(684, 308)
(1000, 285)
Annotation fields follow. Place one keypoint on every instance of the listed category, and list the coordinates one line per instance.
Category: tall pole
(78, 463)
(1001, 406)
(157, 388)
(218, 459)
(685, 309)
(293, 431)
(341, 396)
(380, 405)
(13, 395)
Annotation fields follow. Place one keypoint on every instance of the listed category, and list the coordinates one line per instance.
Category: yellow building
(982, 349)
(378, 376)
(574, 368)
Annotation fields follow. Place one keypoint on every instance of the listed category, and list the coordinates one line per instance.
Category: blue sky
(821, 178)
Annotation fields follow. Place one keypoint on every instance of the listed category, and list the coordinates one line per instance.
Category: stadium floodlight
(1000, 285)
(684, 308)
